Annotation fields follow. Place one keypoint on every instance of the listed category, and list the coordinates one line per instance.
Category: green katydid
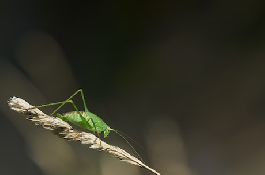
(84, 119)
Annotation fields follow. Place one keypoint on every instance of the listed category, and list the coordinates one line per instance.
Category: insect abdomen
(75, 118)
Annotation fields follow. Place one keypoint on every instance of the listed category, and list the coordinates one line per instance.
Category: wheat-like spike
(64, 130)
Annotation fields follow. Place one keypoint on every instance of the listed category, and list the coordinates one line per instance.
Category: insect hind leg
(68, 100)
(51, 104)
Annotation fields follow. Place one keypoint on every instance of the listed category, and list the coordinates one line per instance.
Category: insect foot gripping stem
(64, 130)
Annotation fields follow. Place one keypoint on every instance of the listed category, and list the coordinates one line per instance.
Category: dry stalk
(64, 130)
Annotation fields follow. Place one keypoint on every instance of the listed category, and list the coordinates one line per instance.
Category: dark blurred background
(185, 79)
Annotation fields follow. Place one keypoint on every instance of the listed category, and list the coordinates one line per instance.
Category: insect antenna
(121, 135)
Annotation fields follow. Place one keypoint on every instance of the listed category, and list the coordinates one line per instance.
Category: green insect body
(84, 119)
(92, 122)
